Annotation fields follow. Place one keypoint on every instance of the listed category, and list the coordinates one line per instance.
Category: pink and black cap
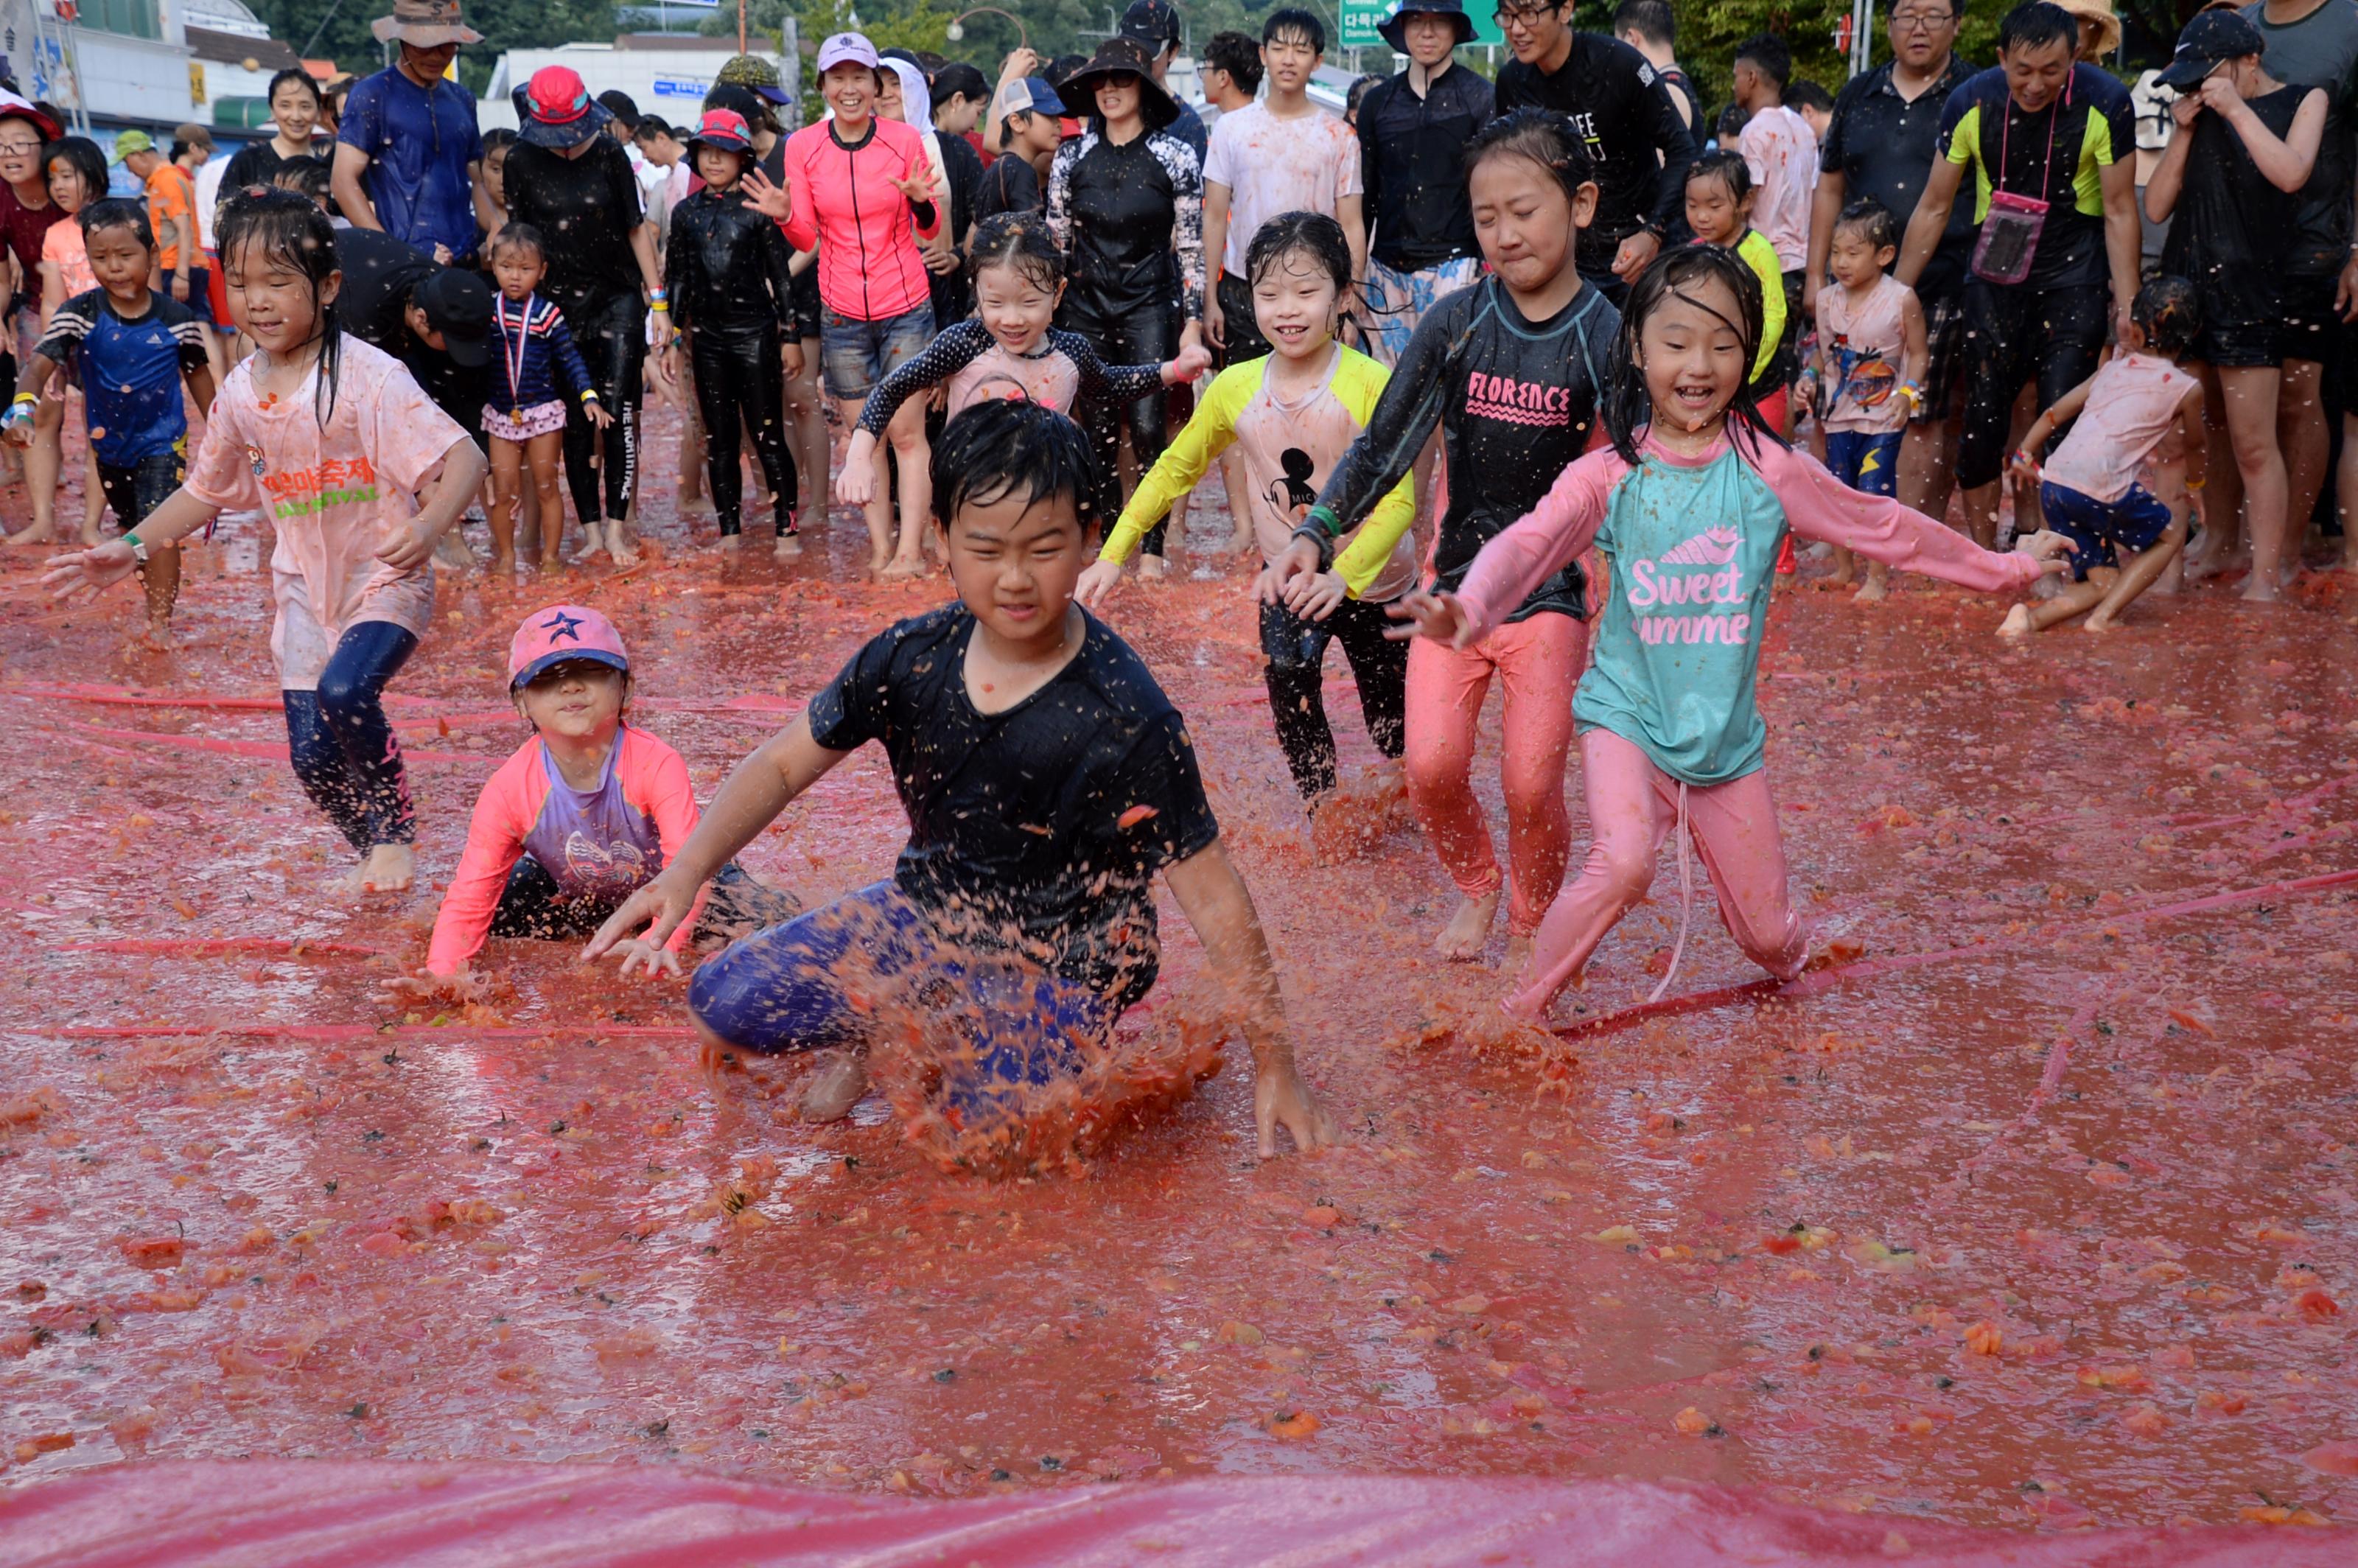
(563, 635)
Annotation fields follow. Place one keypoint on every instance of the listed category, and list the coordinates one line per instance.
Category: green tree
(344, 36)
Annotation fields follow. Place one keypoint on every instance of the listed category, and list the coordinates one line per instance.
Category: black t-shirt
(584, 208)
(2320, 50)
(1413, 166)
(1634, 132)
(1883, 146)
(2090, 127)
(953, 293)
(2229, 229)
(1040, 828)
(256, 163)
(1514, 400)
(379, 272)
(1010, 185)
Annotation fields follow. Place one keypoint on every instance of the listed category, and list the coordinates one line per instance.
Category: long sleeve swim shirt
(1692, 547)
(978, 366)
(603, 842)
(847, 208)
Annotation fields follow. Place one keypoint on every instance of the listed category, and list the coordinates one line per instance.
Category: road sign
(1359, 18)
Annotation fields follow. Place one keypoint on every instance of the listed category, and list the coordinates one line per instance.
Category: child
(1719, 211)
(491, 194)
(1007, 348)
(77, 176)
(1688, 511)
(1510, 370)
(585, 812)
(1046, 778)
(129, 347)
(524, 419)
(1871, 353)
(338, 441)
(1293, 414)
(726, 274)
(2089, 492)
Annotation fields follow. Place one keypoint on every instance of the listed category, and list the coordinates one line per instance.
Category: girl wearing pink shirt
(362, 475)
(1688, 506)
(859, 188)
(585, 812)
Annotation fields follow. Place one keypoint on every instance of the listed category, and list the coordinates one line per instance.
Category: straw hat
(428, 24)
(2100, 29)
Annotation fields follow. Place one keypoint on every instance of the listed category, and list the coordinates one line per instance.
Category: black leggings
(343, 749)
(1145, 335)
(2012, 334)
(1296, 650)
(740, 382)
(612, 336)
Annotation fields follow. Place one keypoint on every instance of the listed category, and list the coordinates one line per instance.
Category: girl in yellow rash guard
(1293, 414)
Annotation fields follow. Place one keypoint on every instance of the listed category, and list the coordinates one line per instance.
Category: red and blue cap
(560, 113)
(725, 129)
(563, 635)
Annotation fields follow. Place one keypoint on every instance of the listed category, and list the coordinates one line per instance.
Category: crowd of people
(1527, 381)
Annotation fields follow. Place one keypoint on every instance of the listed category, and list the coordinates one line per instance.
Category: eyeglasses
(18, 148)
(1922, 21)
(1508, 16)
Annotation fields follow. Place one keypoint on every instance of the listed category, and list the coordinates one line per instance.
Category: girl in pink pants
(1690, 514)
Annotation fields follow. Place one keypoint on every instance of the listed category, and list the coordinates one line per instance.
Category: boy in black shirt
(1046, 778)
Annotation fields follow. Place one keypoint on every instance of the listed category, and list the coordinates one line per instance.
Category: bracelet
(26, 397)
(138, 547)
(591, 395)
(2194, 485)
(657, 295)
(660, 307)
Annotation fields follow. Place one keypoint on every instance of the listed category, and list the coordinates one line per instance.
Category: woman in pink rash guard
(1689, 513)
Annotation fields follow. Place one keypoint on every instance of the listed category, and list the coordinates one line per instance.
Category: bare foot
(1872, 591)
(2258, 589)
(1462, 939)
(2016, 622)
(904, 566)
(553, 560)
(1241, 541)
(504, 567)
(157, 637)
(732, 543)
(623, 552)
(2099, 622)
(34, 534)
(1519, 953)
(789, 547)
(1153, 568)
(835, 1087)
(388, 868)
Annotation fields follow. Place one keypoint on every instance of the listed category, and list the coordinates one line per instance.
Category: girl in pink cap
(585, 812)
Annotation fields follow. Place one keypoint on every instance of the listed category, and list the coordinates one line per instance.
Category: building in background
(113, 65)
(666, 74)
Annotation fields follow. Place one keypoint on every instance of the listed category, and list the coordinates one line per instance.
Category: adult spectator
(1412, 131)
(1630, 120)
(25, 215)
(1882, 140)
(1126, 200)
(1231, 72)
(2314, 43)
(1154, 24)
(960, 95)
(295, 109)
(435, 320)
(408, 154)
(1651, 28)
(2035, 304)
(571, 181)
(1815, 105)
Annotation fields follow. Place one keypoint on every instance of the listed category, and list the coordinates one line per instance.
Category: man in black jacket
(1412, 133)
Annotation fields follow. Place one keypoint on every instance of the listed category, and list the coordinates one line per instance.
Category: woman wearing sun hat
(1126, 200)
(568, 179)
(859, 190)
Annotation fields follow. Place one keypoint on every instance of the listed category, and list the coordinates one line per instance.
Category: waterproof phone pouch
(2009, 237)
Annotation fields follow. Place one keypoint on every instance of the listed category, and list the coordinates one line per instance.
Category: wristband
(26, 397)
(660, 307)
(138, 547)
(591, 395)
(2194, 485)
(657, 295)
(1309, 528)
(1323, 519)
(1912, 392)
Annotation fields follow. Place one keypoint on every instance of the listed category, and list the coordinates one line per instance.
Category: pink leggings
(1538, 662)
(1633, 805)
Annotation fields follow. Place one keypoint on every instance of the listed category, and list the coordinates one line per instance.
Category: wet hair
(1726, 166)
(117, 213)
(751, 105)
(1871, 221)
(1360, 88)
(1547, 139)
(1061, 69)
(1021, 241)
(1311, 234)
(1729, 125)
(1237, 55)
(292, 74)
(82, 155)
(517, 237)
(2037, 23)
(1807, 95)
(499, 136)
(308, 177)
(1676, 274)
(619, 103)
(649, 128)
(2170, 314)
(1769, 55)
(292, 230)
(1297, 22)
(1003, 446)
(1652, 20)
(960, 78)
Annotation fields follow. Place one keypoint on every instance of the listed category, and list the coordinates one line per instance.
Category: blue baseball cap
(1031, 95)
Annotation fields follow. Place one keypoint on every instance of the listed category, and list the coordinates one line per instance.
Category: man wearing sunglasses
(1881, 142)
(1632, 126)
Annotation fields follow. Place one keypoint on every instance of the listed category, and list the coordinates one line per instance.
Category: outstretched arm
(1820, 506)
(759, 789)
(1220, 908)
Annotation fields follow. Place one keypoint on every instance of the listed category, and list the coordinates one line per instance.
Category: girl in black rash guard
(730, 291)
(1126, 200)
(1510, 370)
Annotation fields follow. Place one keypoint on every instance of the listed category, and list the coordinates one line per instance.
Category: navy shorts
(1866, 460)
(871, 964)
(200, 292)
(2135, 522)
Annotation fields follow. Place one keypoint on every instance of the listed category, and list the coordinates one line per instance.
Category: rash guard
(978, 366)
(847, 208)
(605, 841)
(1692, 547)
(1514, 400)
